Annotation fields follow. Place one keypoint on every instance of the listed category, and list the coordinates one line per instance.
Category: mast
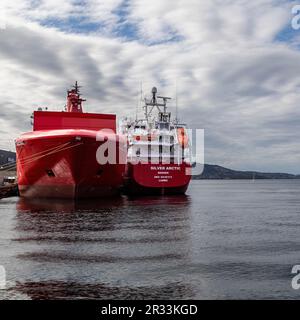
(74, 102)
(139, 101)
(176, 109)
(154, 102)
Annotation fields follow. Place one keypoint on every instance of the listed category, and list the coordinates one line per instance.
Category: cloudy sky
(236, 64)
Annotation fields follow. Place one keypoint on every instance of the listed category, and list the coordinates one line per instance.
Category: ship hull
(67, 192)
(63, 164)
(157, 179)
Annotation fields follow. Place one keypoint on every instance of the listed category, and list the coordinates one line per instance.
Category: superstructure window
(164, 125)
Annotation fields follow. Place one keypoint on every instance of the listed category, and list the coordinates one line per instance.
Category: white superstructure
(157, 138)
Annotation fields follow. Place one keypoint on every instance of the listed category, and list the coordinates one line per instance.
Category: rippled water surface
(223, 240)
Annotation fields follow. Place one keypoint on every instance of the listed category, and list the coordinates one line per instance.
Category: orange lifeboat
(182, 138)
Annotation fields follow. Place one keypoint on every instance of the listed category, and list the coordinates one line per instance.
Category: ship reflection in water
(225, 240)
(113, 248)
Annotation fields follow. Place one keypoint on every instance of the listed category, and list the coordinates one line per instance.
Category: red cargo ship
(159, 153)
(58, 158)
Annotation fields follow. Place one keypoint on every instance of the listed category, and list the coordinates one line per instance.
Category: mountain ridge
(216, 172)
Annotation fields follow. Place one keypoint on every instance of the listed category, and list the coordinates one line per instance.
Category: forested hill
(217, 172)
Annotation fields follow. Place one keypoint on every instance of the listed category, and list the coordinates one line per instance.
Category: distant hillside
(217, 172)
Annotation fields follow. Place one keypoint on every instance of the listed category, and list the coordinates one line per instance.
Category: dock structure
(8, 167)
(10, 190)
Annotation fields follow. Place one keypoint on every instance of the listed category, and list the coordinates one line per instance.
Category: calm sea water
(224, 240)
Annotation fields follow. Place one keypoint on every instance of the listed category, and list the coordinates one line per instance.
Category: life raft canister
(182, 138)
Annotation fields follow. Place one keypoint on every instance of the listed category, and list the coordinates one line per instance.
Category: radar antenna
(154, 103)
(76, 87)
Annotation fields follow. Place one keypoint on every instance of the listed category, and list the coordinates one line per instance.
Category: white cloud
(98, 11)
(214, 22)
(233, 78)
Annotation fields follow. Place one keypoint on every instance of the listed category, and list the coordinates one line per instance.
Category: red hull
(157, 179)
(63, 164)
